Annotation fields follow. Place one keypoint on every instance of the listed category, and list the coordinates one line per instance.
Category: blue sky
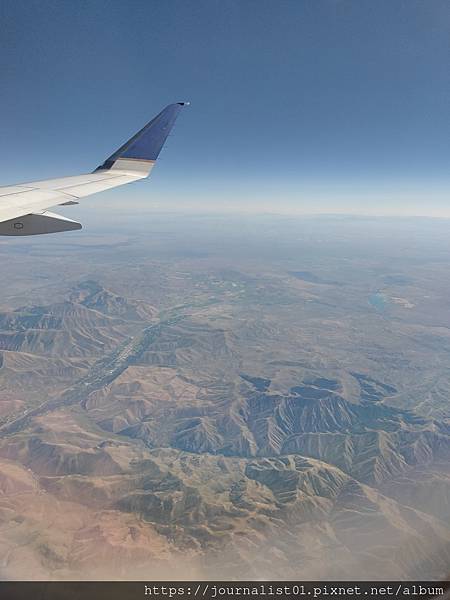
(302, 106)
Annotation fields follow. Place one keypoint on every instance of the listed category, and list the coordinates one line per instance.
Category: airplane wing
(23, 207)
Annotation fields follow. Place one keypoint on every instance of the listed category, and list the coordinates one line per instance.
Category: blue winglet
(147, 143)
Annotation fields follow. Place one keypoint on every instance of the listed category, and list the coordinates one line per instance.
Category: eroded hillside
(201, 418)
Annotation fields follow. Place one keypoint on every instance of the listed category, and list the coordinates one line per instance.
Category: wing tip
(147, 143)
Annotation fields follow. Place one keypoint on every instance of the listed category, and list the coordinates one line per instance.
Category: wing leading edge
(23, 208)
